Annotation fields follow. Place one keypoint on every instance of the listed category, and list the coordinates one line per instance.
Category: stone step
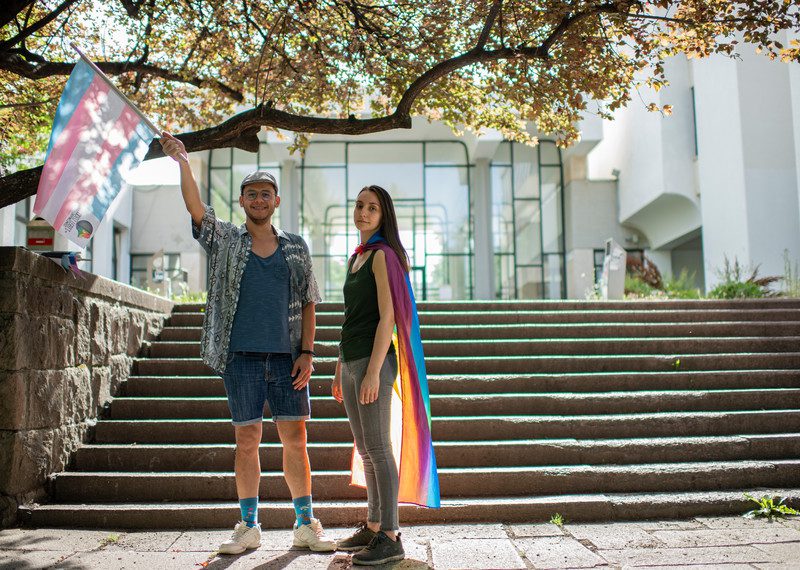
(497, 404)
(526, 509)
(472, 318)
(543, 347)
(101, 487)
(671, 424)
(567, 330)
(572, 305)
(675, 361)
(320, 385)
(336, 456)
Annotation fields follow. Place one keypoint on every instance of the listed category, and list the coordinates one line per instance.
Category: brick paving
(701, 542)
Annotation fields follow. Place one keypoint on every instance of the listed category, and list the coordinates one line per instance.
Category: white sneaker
(243, 538)
(313, 536)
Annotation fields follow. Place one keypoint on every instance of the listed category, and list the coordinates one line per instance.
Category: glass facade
(528, 221)
(431, 185)
(227, 168)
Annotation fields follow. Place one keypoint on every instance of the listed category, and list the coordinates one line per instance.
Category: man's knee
(293, 435)
(248, 438)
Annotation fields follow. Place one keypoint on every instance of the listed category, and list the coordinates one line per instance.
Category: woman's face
(367, 213)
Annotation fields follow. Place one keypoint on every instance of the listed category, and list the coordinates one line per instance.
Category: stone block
(36, 342)
(8, 511)
(37, 399)
(101, 386)
(475, 553)
(44, 298)
(727, 536)
(99, 340)
(120, 371)
(615, 536)
(558, 552)
(83, 331)
(686, 556)
(138, 327)
(9, 300)
(33, 455)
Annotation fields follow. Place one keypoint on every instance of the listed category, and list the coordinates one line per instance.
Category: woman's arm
(383, 335)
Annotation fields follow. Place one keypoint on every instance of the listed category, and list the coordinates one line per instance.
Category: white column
(290, 196)
(720, 161)
(7, 226)
(482, 216)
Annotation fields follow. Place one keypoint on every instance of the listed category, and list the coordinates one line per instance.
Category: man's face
(259, 201)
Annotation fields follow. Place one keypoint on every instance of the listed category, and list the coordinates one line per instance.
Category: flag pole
(105, 78)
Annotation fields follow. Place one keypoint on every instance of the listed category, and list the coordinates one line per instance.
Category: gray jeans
(371, 429)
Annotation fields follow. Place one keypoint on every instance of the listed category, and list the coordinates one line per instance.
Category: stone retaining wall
(66, 344)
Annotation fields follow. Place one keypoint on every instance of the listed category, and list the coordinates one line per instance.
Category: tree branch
(11, 10)
(49, 68)
(487, 27)
(37, 26)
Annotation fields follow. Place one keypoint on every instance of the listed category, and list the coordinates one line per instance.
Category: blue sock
(303, 510)
(249, 511)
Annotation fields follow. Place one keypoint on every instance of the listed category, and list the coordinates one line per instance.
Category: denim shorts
(252, 379)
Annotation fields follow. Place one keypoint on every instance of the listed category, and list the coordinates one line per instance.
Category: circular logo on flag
(84, 229)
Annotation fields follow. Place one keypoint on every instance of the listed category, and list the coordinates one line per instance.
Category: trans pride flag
(419, 479)
(97, 138)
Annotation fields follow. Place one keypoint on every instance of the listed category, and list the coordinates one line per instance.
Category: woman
(378, 296)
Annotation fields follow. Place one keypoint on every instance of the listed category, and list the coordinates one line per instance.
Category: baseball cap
(259, 176)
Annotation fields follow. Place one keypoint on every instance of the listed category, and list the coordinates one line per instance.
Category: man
(258, 334)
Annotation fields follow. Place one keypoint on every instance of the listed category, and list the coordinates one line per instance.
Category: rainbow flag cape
(97, 138)
(411, 410)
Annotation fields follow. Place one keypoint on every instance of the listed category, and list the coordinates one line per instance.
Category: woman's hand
(336, 388)
(369, 388)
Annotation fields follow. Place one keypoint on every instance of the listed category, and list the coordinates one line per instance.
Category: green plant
(190, 297)
(558, 519)
(682, 287)
(791, 276)
(676, 365)
(768, 508)
(635, 287)
(735, 286)
(736, 290)
(110, 539)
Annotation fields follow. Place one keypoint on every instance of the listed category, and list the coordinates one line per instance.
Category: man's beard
(258, 221)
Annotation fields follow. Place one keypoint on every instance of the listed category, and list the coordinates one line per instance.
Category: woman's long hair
(388, 227)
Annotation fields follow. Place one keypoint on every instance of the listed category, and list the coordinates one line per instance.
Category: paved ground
(726, 542)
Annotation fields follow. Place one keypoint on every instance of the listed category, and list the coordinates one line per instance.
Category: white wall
(747, 163)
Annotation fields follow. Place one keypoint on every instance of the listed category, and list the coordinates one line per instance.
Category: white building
(484, 218)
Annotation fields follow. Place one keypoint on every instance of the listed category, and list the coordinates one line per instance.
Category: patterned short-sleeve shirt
(228, 247)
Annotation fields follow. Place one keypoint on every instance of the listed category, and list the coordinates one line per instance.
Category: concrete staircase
(595, 410)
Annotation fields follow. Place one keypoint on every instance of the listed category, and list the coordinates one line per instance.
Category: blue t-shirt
(261, 322)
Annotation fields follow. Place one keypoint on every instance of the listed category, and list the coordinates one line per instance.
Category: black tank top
(361, 312)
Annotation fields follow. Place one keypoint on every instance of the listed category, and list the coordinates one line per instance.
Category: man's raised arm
(191, 193)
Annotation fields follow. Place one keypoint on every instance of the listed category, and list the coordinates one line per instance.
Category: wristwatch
(311, 352)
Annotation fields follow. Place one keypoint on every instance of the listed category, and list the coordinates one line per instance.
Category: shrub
(635, 287)
(646, 271)
(791, 276)
(682, 287)
(736, 290)
(735, 286)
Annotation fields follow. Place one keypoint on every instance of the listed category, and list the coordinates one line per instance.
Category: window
(430, 186)
(139, 266)
(21, 218)
(528, 221)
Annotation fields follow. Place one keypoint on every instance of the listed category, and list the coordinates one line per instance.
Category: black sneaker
(380, 550)
(360, 540)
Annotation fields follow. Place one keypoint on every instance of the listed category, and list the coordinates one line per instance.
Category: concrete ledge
(20, 261)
